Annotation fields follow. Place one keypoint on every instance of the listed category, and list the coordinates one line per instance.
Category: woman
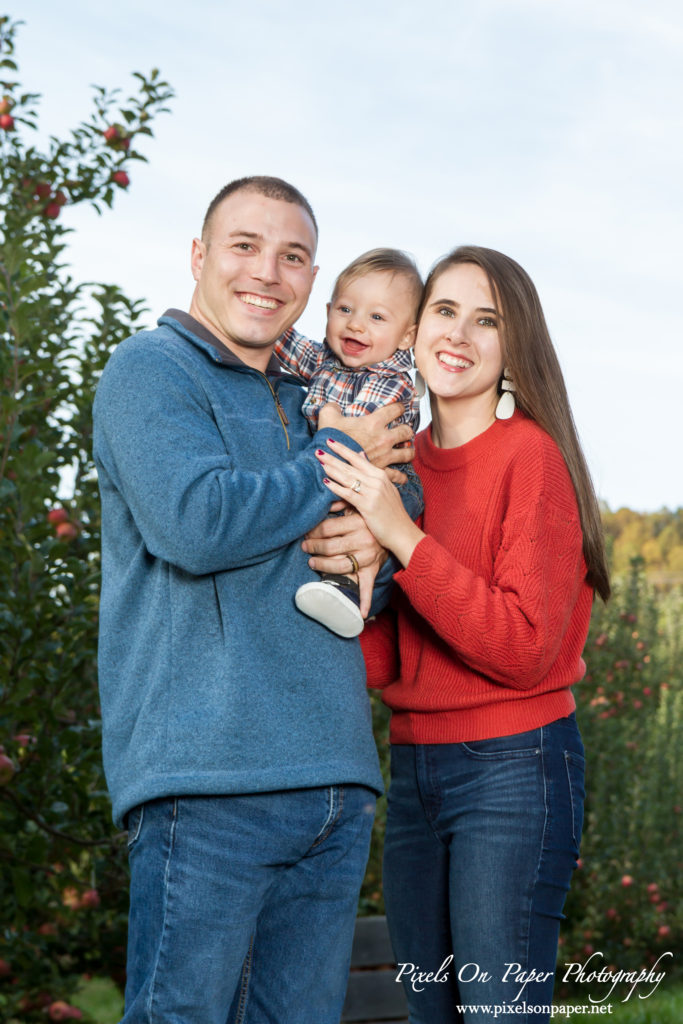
(492, 610)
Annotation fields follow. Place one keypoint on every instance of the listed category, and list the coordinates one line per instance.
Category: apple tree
(62, 866)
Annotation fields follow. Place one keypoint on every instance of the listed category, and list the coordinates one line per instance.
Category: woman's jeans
(243, 907)
(481, 842)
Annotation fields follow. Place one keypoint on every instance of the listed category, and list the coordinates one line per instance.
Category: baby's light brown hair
(375, 261)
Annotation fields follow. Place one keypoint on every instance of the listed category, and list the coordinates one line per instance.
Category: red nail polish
(325, 480)
(331, 440)
(319, 451)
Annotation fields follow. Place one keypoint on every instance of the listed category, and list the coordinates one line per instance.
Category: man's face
(254, 271)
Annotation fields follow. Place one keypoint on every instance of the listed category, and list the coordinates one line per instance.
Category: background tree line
(656, 537)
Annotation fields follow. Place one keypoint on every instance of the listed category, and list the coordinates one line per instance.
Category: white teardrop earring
(420, 386)
(506, 402)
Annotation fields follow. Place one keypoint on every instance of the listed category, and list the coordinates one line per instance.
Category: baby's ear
(408, 339)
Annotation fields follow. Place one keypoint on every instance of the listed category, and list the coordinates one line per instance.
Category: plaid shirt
(357, 391)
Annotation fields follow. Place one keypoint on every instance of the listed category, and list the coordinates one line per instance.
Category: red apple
(42, 189)
(121, 178)
(6, 122)
(57, 515)
(66, 531)
(61, 198)
(7, 769)
(59, 1010)
(90, 898)
(6, 104)
(24, 739)
(51, 211)
(111, 133)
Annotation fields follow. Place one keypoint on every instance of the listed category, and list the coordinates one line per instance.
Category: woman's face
(458, 349)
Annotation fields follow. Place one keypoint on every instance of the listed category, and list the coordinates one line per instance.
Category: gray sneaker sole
(327, 605)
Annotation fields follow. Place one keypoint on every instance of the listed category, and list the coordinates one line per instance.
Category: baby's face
(370, 318)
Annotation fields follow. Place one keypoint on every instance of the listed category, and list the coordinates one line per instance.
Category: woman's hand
(341, 542)
(372, 432)
(371, 492)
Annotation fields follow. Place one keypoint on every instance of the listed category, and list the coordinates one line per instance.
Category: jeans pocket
(575, 766)
(501, 748)
(134, 820)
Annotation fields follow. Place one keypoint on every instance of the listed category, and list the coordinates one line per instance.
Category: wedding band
(354, 562)
(356, 487)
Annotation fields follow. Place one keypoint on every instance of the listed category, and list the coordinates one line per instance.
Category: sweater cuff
(421, 562)
(322, 436)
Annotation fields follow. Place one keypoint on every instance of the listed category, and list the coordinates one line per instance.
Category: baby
(363, 363)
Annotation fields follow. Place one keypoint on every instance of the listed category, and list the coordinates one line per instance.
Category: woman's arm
(509, 627)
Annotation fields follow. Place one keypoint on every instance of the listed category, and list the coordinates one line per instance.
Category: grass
(663, 1007)
(101, 1000)
(103, 1003)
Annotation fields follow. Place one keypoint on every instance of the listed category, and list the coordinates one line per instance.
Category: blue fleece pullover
(211, 681)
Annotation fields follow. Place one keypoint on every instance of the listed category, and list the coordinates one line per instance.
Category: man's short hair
(375, 261)
(272, 188)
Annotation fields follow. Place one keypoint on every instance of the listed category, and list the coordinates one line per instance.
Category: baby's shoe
(333, 601)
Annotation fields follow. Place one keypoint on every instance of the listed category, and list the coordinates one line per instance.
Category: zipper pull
(281, 411)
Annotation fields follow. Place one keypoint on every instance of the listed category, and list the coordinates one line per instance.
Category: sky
(551, 130)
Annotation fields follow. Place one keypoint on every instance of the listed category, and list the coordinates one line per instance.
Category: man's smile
(262, 301)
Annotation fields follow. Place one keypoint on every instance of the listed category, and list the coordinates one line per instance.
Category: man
(236, 732)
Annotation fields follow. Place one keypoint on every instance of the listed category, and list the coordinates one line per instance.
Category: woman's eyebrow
(452, 302)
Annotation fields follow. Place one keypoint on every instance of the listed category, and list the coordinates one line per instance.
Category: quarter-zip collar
(193, 331)
(197, 333)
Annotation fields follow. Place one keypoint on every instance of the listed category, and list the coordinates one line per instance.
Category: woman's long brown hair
(540, 390)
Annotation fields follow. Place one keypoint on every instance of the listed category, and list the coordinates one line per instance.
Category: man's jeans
(482, 839)
(243, 907)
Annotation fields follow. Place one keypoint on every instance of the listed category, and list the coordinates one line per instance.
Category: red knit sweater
(493, 609)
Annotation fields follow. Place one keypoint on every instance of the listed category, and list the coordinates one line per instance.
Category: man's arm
(157, 443)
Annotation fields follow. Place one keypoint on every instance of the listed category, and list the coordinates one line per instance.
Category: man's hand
(373, 434)
(332, 541)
